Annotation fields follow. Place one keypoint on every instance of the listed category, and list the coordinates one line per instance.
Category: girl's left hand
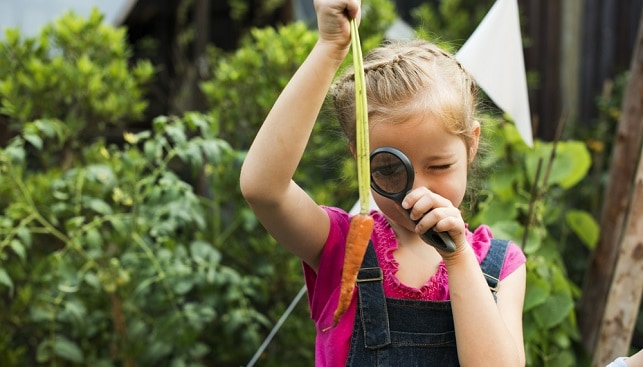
(431, 210)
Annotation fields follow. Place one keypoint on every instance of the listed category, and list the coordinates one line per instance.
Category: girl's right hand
(333, 20)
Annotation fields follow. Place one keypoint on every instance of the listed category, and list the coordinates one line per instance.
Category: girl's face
(439, 158)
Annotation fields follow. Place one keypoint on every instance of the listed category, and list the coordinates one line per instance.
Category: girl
(428, 307)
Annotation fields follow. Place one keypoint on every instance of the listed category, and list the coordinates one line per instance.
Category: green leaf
(101, 174)
(35, 140)
(25, 236)
(508, 230)
(561, 338)
(91, 279)
(502, 184)
(19, 249)
(16, 151)
(94, 238)
(537, 291)
(119, 226)
(203, 251)
(571, 163)
(585, 227)
(191, 154)
(562, 358)
(5, 279)
(43, 353)
(554, 311)
(74, 223)
(176, 134)
(67, 349)
(211, 150)
(496, 210)
(98, 205)
(152, 150)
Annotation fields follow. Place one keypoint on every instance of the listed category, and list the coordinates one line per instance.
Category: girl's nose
(421, 181)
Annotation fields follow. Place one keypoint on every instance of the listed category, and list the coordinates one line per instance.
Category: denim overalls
(403, 333)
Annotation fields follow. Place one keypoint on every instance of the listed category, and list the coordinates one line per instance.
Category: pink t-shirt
(332, 346)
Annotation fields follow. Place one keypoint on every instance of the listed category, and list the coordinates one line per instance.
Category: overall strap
(492, 264)
(372, 302)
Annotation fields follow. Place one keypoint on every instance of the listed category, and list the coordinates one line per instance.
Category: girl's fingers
(441, 220)
(421, 201)
(353, 10)
(333, 18)
(431, 210)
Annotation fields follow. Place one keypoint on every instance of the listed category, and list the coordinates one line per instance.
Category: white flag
(493, 56)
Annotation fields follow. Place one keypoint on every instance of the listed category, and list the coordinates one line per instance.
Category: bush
(524, 200)
(113, 261)
(77, 71)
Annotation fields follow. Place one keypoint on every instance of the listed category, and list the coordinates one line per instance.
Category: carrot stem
(361, 122)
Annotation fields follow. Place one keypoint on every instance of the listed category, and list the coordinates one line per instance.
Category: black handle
(439, 240)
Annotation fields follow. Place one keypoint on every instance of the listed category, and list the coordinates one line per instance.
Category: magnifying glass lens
(389, 173)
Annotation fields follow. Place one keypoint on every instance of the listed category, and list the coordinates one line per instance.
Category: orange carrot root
(359, 233)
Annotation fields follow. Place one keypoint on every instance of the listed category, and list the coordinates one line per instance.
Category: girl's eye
(441, 167)
(388, 171)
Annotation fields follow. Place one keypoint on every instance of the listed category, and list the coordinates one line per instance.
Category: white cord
(275, 328)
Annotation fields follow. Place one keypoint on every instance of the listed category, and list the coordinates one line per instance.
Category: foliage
(523, 202)
(449, 22)
(256, 12)
(70, 72)
(108, 255)
(116, 261)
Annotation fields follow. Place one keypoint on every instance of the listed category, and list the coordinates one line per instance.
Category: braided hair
(407, 78)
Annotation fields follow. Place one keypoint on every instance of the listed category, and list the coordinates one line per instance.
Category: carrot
(359, 233)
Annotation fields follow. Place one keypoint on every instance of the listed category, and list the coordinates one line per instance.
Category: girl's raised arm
(284, 208)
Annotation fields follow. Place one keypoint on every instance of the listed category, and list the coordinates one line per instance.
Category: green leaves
(122, 239)
(273, 54)
(59, 346)
(549, 319)
(77, 71)
(570, 165)
(531, 210)
(585, 227)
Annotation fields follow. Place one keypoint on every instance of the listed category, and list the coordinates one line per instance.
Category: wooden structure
(614, 279)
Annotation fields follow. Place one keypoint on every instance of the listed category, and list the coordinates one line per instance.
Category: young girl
(421, 306)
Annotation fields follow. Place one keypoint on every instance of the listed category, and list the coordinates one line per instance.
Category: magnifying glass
(392, 176)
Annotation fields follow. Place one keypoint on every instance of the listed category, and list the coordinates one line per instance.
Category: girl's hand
(333, 20)
(431, 210)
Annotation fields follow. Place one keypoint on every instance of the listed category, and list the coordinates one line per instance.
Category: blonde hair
(407, 78)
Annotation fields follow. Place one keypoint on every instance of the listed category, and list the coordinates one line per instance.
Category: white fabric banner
(493, 56)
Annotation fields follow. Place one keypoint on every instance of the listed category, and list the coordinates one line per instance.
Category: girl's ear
(475, 139)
